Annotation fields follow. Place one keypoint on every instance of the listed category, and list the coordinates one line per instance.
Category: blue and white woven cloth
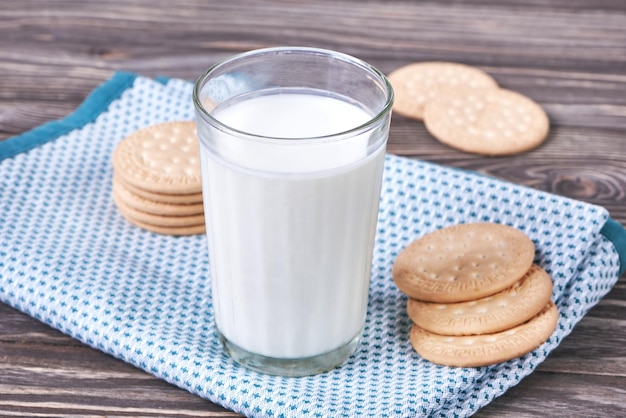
(69, 259)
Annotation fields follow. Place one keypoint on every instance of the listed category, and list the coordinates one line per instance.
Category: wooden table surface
(568, 55)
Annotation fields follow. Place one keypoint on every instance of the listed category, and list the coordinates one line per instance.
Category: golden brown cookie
(159, 220)
(487, 121)
(500, 311)
(415, 84)
(162, 158)
(463, 262)
(182, 199)
(482, 350)
(153, 207)
(167, 230)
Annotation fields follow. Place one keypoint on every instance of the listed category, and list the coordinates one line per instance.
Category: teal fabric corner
(614, 232)
(97, 101)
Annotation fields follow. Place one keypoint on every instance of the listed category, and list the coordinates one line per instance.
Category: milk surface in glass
(290, 235)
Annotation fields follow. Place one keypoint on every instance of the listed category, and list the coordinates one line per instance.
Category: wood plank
(561, 395)
(46, 372)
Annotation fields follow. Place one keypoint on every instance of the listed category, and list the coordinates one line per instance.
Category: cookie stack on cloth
(475, 296)
(157, 182)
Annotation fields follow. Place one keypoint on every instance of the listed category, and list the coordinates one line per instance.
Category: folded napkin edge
(615, 232)
(94, 104)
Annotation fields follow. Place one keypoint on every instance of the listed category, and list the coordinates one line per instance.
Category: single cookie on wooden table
(416, 84)
(500, 311)
(463, 262)
(485, 349)
(486, 121)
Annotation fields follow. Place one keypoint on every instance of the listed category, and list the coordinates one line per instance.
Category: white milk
(291, 236)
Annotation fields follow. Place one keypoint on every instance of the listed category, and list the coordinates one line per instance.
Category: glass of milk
(292, 144)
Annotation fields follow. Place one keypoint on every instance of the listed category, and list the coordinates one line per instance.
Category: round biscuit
(487, 121)
(161, 158)
(486, 349)
(154, 207)
(416, 84)
(463, 262)
(175, 199)
(166, 230)
(503, 310)
(156, 220)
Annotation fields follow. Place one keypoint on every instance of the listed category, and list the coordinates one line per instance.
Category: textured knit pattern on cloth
(69, 259)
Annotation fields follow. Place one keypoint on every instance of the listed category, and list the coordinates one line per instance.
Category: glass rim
(372, 121)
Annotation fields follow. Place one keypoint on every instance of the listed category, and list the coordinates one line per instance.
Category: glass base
(290, 367)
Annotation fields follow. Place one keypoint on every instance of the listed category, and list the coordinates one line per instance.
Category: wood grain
(568, 55)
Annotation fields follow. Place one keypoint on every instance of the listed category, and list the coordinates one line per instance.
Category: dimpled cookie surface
(161, 158)
(505, 309)
(487, 121)
(416, 84)
(463, 262)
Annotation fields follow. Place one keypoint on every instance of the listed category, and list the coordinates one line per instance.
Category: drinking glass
(292, 147)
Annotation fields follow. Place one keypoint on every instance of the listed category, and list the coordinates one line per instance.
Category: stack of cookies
(475, 296)
(464, 107)
(156, 179)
